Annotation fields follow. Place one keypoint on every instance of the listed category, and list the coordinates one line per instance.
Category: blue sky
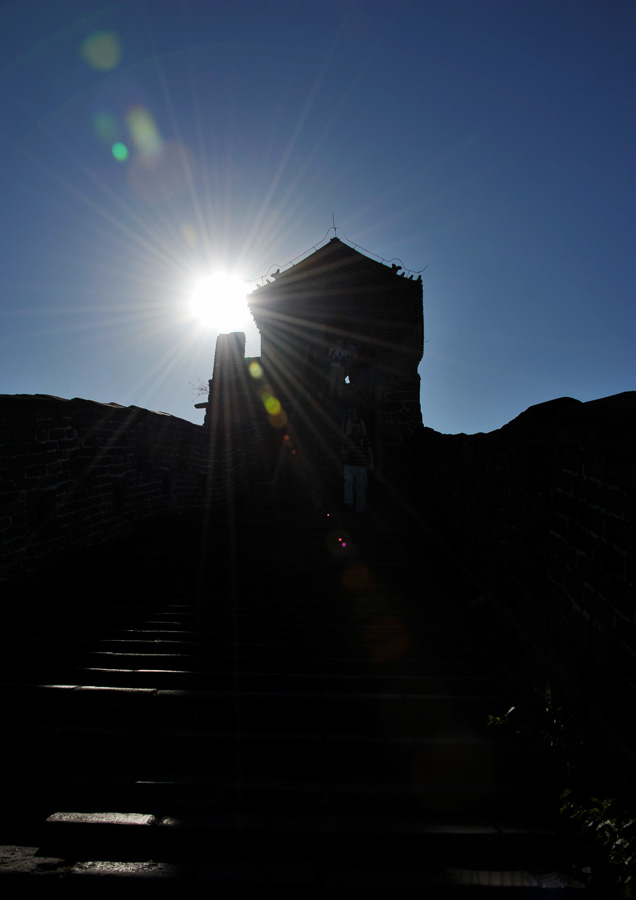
(490, 141)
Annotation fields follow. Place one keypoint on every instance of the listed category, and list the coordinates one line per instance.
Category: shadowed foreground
(286, 697)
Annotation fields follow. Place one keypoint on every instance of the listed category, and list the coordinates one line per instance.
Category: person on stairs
(357, 458)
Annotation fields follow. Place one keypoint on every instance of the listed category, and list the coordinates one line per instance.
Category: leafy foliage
(607, 829)
(549, 733)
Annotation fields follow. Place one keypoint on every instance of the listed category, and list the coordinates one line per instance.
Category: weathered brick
(620, 533)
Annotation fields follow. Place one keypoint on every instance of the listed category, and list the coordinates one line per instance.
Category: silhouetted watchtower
(339, 329)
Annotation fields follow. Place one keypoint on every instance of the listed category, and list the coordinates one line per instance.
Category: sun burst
(219, 301)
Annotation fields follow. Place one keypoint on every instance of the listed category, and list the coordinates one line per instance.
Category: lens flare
(276, 413)
(102, 51)
(190, 235)
(120, 151)
(356, 577)
(272, 404)
(105, 126)
(279, 420)
(144, 131)
(386, 639)
(337, 541)
(160, 171)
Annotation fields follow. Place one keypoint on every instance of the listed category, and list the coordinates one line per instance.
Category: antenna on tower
(333, 225)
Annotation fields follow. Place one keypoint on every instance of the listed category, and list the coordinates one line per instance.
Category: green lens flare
(120, 151)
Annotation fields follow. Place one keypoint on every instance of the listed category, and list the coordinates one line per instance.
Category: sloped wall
(544, 511)
(74, 472)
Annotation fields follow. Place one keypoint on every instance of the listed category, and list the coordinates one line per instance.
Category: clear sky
(147, 142)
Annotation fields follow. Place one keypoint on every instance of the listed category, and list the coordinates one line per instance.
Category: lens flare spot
(119, 151)
(144, 131)
(256, 371)
(356, 577)
(105, 127)
(160, 171)
(190, 235)
(336, 541)
(279, 420)
(102, 50)
(386, 639)
(272, 405)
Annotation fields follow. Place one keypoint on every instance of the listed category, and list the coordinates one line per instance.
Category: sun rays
(146, 194)
(219, 301)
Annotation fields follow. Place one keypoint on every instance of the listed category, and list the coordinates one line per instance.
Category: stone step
(210, 869)
(395, 787)
(410, 716)
(23, 694)
(322, 850)
(156, 673)
(68, 627)
(335, 734)
(254, 641)
(336, 836)
(382, 647)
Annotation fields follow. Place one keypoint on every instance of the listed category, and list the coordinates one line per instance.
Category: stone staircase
(274, 697)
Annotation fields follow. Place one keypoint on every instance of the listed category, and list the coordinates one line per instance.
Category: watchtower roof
(335, 262)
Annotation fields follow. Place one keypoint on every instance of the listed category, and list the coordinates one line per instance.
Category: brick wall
(401, 420)
(75, 472)
(337, 293)
(544, 512)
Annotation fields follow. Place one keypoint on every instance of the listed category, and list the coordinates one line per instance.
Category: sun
(219, 301)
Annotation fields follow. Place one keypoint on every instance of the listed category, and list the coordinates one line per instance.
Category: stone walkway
(285, 697)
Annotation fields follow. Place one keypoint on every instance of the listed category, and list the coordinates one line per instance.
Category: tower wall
(340, 300)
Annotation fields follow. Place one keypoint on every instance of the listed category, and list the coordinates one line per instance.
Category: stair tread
(307, 721)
